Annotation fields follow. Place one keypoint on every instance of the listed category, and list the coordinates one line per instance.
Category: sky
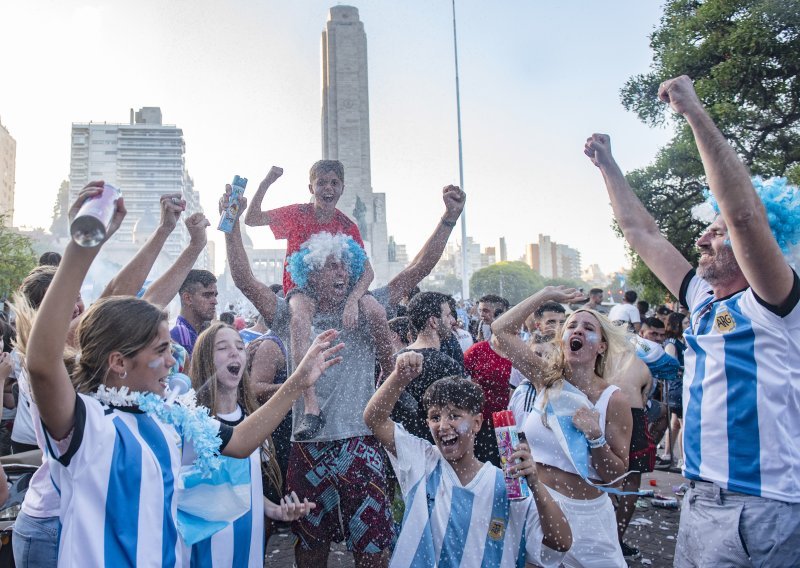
(242, 79)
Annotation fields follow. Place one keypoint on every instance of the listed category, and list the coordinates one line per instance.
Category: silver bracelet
(598, 442)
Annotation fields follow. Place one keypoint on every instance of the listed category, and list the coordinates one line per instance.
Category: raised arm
(377, 414)
(638, 226)
(251, 433)
(130, 279)
(167, 285)
(255, 216)
(50, 383)
(754, 246)
(505, 331)
(259, 294)
(402, 284)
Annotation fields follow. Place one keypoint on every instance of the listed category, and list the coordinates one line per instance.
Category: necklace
(189, 419)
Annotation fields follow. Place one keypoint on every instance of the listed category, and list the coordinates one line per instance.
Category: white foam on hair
(704, 212)
(322, 245)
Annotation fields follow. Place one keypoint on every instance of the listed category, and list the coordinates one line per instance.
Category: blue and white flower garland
(189, 419)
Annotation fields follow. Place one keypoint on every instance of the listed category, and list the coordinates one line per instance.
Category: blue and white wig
(315, 252)
(782, 202)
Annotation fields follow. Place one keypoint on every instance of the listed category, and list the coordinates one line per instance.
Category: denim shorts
(35, 541)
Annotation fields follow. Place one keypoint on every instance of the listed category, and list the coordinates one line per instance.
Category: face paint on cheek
(462, 427)
(592, 337)
(155, 363)
(565, 335)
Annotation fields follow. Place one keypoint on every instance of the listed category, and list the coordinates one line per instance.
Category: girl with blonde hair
(580, 426)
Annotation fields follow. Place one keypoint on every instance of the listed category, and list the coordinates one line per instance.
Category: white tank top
(545, 446)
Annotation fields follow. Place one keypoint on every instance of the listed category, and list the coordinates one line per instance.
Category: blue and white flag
(208, 503)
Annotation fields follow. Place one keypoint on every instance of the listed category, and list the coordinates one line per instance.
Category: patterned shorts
(347, 481)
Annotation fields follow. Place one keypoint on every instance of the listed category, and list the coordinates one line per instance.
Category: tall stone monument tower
(345, 129)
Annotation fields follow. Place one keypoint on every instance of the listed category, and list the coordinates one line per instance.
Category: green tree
(450, 284)
(744, 58)
(515, 281)
(18, 258)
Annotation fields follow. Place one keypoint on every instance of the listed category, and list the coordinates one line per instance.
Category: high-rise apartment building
(8, 160)
(144, 159)
(345, 129)
(553, 260)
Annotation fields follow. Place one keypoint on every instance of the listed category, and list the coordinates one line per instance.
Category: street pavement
(653, 531)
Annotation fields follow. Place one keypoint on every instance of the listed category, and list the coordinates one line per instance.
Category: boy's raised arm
(407, 367)
(255, 216)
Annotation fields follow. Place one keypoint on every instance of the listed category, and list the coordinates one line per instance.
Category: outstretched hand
(289, 509)
(408, 366)
(679, 94)
(598, 148)
(454, 200)
(563, 294)
(319, 357)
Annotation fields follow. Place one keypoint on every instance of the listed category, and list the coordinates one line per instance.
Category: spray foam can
(90, 225)
(228, 219)
(505, 429)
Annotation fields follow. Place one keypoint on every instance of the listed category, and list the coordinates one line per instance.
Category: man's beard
(719, 268)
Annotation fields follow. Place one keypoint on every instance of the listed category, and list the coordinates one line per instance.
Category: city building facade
(144, 159)
(8, 161)
(345, 130)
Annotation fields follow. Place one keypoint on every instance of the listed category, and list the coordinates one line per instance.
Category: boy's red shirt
(296, 223)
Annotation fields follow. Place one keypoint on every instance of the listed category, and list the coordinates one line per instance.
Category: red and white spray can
(505, 429)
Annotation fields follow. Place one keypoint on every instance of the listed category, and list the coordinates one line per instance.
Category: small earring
(124, 375)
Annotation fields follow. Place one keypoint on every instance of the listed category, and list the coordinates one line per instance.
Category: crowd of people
(367, 416)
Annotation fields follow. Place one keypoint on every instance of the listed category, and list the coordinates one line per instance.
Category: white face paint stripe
(155, 363)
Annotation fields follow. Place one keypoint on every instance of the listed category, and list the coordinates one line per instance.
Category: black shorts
(642, 456)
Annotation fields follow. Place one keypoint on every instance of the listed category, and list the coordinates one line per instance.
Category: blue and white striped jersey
(240, 544)
(449, 525)
(116, 479)
(741, 391)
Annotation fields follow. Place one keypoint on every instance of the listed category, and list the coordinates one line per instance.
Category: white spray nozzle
(177, 384)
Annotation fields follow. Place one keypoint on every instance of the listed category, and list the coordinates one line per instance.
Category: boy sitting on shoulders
(457, 512)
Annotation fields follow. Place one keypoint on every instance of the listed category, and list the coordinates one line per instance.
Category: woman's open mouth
(575, 343)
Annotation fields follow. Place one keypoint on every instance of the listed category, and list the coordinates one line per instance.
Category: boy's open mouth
(448, 439)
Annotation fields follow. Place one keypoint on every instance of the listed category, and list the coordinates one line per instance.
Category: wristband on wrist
(450, 224)
(597, 442)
